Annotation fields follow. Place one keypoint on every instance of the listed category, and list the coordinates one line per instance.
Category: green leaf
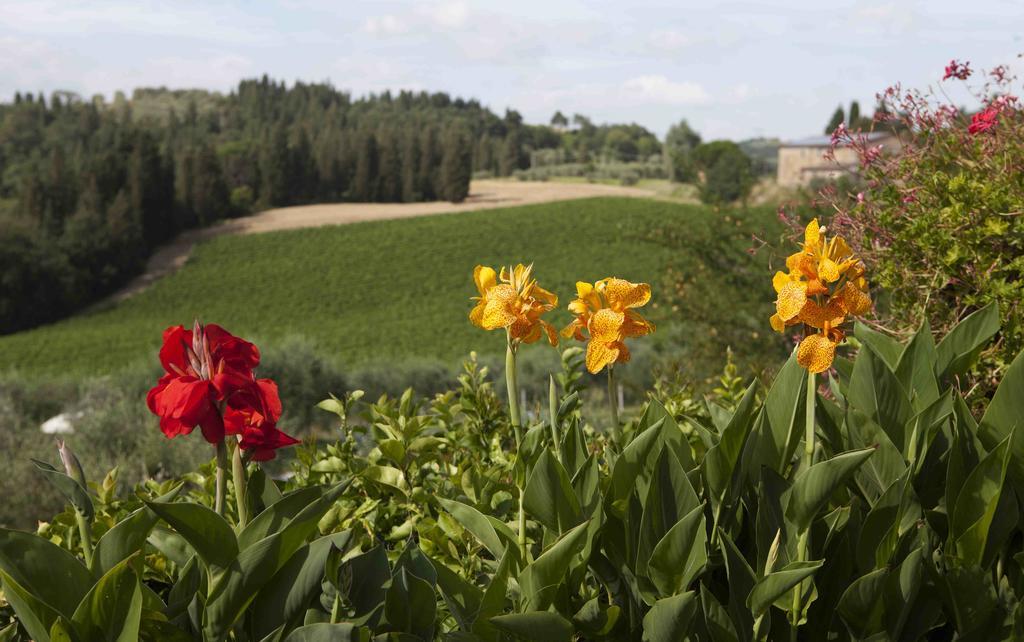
(277, 515)
(391, 478)
(476, 523)
(261, 487)
(324, 632)
(36, 616)
(631, 463)
(681, 554)
(976, 504)
(463, 599)
(367, 576)
(875, 391)
(741, 583)
(959, 349)
(549, 495)
(716, 618)
(720, 461)
(127, 536)
(112, 609)
(595, 619)
(784, 409)
(881, 344)
(862, 605)
(207, 532)
(535, 626)
(49, 573)
(671, 618)
(257, 565)
(670, 498)
(1005, 413)
(493, 601)
(813, 487)
(71, 489)
(774, 585)
(916, 368)
(285, 598)
(62, 631)
(540, 579)
(410, 605)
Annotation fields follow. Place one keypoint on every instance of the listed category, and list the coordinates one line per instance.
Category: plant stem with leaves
(613, 403)
(239, 478)
(222, 481)
(803, 543)
(513, 412)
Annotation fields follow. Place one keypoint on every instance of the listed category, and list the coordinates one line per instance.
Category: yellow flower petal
(485, 278)
(476, 315)
(818, 316)
(828, 270)
(815, 353)
(635, 325)
(550, 331)
(606, 325)
(781, 279)
(498, 311)
(812, 234)
(777, 323)
(622, 294)
(792, 298)
(853, 299)
(600, 354)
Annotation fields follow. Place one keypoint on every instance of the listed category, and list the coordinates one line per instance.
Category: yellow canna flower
(606, 311)
(823, 286)
(513, 301)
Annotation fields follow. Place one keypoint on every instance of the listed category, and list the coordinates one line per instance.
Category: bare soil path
(484, 194)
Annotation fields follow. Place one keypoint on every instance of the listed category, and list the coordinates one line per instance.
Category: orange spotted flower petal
(792, 298)
(601, 354)
(622, 294)
(815, 353)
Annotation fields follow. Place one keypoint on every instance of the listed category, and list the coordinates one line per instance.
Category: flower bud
(71, 464)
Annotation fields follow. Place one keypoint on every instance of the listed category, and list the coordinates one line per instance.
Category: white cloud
(659, 89)
(450, 14)
(387, 25)
(670, 40)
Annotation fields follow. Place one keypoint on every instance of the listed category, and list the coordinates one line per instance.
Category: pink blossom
(984, 120)
(958, 70)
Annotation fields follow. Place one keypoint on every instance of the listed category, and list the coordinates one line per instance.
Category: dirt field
(484, 194)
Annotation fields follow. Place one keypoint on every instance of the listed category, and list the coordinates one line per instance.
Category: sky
(732, 69)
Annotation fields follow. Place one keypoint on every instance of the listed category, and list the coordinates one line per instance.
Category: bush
(941, 219)
(725, 172)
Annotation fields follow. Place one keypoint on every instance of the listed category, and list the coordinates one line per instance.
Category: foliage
(908, 513)
(725, 172)
(939, 220)
(680, 141)
(356, 320)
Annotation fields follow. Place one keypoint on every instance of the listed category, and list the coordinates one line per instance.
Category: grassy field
(397, 290)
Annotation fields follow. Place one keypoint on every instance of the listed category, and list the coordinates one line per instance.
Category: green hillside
(398, 290)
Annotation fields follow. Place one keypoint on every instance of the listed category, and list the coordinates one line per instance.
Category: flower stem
(513, 412)
(613, 403)
(222, 469)
(556, 441)
(85, 530)
(803, 543)
(238, 473)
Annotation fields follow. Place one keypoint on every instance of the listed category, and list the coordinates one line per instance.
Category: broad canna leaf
(741, 582)
(49, 573)
(476, 523)
(1005, 413)
(976, 504)
(410, 605)
(716, 619)
(671, 618)
(784, 409)
(862, 605)
(883, 345)
(36, 616)
(206, 532)
(884, 467)
(493, 601)
(285, 598)
(596, 619)
(916, 368)
(813, 487)
(959, 349)
(112, 609)
(541, 579)
(127, 536)
(875, 391)
(681, 554)
(324, 632)
(630, 464)
(670, 498)
(277, 515)
(549, 495)
(720, 462)
(538, 626)
(774, 585)
(462, 598)
(367, 577)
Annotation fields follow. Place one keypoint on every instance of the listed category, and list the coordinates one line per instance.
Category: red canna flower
(262, 442)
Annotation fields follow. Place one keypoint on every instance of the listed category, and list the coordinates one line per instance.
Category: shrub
(941, 220)
(725, 172)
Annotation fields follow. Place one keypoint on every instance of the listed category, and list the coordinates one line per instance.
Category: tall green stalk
(238, 474)
(613, 403)
(803, 544)
(85, 530)
(556, 440)
(222, 479)
(513, 412)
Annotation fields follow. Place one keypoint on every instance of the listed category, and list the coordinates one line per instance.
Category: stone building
(802, 161)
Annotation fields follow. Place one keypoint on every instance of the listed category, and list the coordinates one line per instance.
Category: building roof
(826, 141)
